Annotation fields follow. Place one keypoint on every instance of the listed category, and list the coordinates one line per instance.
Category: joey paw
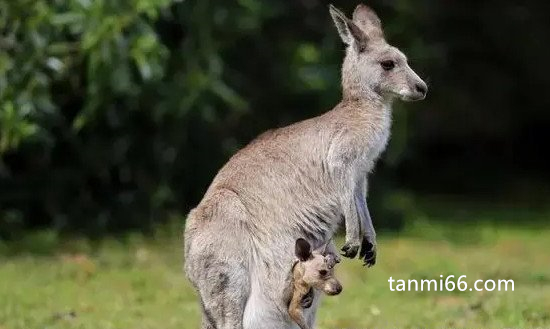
(307, 300)
(332, 259)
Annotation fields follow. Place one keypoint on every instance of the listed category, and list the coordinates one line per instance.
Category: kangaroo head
(372, 67)
(315, 269)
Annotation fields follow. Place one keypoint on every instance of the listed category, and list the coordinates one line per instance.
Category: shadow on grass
(50, 242)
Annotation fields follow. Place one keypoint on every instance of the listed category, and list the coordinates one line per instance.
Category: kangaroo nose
(333, 288)
(421, 88)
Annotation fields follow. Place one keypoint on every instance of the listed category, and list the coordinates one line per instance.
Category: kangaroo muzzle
(332, 287)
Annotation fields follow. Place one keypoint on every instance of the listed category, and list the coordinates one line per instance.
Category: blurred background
(116, 115)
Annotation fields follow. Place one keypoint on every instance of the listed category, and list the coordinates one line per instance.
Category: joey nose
(333, 288)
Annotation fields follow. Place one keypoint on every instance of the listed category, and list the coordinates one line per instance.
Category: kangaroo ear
(349, 32)
(302, 250)
(367, 20)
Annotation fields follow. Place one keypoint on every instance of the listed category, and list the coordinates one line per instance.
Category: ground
(138, 282)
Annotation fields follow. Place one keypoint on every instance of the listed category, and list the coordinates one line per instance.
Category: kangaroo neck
(365, 97)
(367, 103)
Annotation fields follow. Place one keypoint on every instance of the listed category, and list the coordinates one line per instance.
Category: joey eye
(323, 272)
(387, 65)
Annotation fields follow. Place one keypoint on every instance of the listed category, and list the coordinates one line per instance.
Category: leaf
(66, 18)
(55, 64)
(229, 96)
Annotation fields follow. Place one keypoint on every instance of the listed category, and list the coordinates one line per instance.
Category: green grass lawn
(139, 283)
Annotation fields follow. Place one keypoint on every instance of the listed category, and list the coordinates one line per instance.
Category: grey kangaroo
(297, 181)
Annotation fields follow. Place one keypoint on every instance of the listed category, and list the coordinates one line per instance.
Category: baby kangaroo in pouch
(311, 270)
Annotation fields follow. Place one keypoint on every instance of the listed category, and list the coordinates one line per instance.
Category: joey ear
(302, 250)
(349, 32)
(367, 20)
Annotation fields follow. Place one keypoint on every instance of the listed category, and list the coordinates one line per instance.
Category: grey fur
(296, 181)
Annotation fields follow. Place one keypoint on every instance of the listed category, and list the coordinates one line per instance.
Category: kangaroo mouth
(411, 96)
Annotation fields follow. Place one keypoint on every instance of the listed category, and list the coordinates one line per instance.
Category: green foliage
(114, 114)
(63, 67)
(46, 42)
(15, 127)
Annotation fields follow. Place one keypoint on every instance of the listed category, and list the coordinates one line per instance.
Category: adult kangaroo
(297, 181)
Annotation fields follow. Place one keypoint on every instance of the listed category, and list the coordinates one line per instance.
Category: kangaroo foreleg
(368, 243)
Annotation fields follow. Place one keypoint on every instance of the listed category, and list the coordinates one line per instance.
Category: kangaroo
(311, 270)
(302, 180)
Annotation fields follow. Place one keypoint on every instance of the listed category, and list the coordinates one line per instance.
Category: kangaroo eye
(323, 272)
(387, 65)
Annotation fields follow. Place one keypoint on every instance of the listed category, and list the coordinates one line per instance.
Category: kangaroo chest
(379, 144)
(374, 143)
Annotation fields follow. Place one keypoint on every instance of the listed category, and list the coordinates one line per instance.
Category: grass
(139, 283)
